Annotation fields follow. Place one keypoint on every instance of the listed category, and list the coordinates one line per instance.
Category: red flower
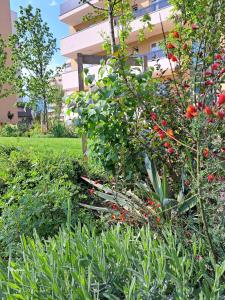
(220, 114)
(209, 82)
(158, 205)
(157, 219)
(167, 145)
(156, 128)
(170, 55)
(164, 123)
(170, 150)
(211, 177)
(218, 56)
(151, 203)
(221, 99)
(170, 46)
(223, 150)
(191, 109)
(174, 59)
(153, 116)
(113, 217)
(215, 66)
(170, 132)
(145, 215)
(191, 112)
(208, 110)
(206, 152)
(189, 115)
(162, 135)
(194, 26)
(176, 35)
(208, 73)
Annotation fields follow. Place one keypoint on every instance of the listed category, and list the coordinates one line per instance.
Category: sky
(50, 14)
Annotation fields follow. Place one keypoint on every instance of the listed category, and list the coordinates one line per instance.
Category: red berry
(218, 56)
(158, 220)
(208, 110)
(170, 150)
(164, 123)
(209, 82)
(176, 35)
(167, 145)
(174, 59)
(220, 114)
(156, 128)
(215, 66)
(221, 99)
(211, 177)
(170, 46)
(153, 116)
(206, 152)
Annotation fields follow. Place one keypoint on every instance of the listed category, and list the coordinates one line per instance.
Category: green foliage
(34, 193)
(111, 115)
(33, 47)
(59, 129)
(117, 264)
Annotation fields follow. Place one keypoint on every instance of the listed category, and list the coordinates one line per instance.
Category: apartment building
(87, 37)
(9, 113)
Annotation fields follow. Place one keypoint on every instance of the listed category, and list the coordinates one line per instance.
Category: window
(135, 7)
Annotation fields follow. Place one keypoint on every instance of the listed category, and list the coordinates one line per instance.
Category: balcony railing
(69, 5)
(156, 5)
(156, 54)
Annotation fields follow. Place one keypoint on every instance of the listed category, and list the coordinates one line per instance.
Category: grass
(45, 145)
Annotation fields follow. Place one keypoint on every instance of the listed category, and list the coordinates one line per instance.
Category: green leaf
(154, 176)
(187, 204)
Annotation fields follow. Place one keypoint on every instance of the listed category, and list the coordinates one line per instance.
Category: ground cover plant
(36, 191)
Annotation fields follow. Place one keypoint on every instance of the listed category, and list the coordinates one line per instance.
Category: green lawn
(45, 145)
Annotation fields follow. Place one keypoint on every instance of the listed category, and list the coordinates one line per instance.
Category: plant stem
(202, 210)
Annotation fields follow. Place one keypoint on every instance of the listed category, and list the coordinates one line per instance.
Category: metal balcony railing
(156, 54)
(69, 5)
(156, 5)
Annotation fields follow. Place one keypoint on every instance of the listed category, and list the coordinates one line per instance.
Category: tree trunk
(45, 118)
(112, 28)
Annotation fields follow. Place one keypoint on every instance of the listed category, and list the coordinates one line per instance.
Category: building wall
(7, 104)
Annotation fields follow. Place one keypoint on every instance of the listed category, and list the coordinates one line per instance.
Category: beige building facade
(87, 37)
(7, 105)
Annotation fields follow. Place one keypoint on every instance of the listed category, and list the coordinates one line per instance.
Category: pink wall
(7, 104)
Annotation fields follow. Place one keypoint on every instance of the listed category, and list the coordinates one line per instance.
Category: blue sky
(50, 13)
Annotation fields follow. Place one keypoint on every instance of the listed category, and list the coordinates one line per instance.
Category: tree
(33, 47)
(57, 100)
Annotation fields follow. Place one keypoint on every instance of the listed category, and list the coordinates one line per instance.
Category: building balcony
(90, 40)
(155, 58)
(70, 81)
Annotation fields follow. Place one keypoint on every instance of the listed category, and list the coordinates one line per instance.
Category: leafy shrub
(61, 130)
(35, 191)
(117, 264)
(9, 130)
